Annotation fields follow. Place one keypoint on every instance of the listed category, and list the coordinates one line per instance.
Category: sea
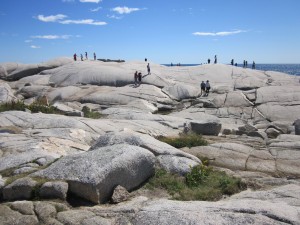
(292, 69)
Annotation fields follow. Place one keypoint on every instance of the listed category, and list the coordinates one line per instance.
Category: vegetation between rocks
(202, 183)
(184, 140)
(87, 112)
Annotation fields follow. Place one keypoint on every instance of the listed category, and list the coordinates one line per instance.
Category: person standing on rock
(81, 57)
(207, 87)
(135, 78)
(253, 65)
(216, 59)
(140, 78)
(86, 56)
(75, 57)
(94, 56)
(202, 85)
(148, 68)
(208, 61)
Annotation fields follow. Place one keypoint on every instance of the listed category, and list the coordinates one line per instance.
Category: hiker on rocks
(253, 65)
(202, 85)
(81, 56)
(75, 57)
(148, 68)
(140, 78)
(94, 56)
(207, 87)
(232, 62)
(135, 78)
(216, 59)
(244, 64)
(208, 61)
(86, 56)
(145, 59)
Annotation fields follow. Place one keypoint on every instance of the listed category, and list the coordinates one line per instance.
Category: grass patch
(88, 113)
(202, 184)
(34, 107)
(184, 140)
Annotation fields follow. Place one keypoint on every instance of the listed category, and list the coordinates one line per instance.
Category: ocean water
(292, 69)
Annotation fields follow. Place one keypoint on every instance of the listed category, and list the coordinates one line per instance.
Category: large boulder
(6, 93)
(19, 189)
(94, 175)
(297, 126)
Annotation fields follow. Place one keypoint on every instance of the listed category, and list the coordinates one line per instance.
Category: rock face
(93, 175)
(56, 190)
(19, 189)
(297, 127)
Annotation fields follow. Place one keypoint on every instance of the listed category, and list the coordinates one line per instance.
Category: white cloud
(52, 18)
(52, 37)
(114, 17)
(96, 9)
(125, 10)
(223, 33)
(91, 1)
(67, 0)
(28, 41)
(87, 21)
(34, 46)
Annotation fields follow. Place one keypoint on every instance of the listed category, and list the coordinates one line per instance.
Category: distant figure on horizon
(86, 56)
(81, 56)
(208, 61)
(253, 65)
(75, 57)
(202, 85)
(244, 66)
(207, 87)
(135, 78)
(148, 68)
(232, 62)
(171, 64)
(216, 59)
(140, 78)
(235, 64)
(95, 56)
(146, 59)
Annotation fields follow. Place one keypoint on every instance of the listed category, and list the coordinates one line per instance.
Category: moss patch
(184, 140)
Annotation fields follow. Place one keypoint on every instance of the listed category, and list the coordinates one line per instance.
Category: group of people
(81, 56)
(138, 75)
(215, 62)
(205, 87)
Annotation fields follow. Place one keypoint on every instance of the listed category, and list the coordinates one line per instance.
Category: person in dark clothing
(146, 59)
(208, 61)
(232, 62)
(81, 57)
(94, 56)
(253, 65)
(202, 85)
(140, 78)
(86, 56)
(148, 68)
(216, 59)
(244, 64)
(75, 57)
(135, 78)
(207, 87)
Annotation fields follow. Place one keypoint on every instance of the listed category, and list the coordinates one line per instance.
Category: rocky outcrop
(93, 175)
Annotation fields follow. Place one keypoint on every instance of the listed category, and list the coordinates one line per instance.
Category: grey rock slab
(97, 220)
(74, 217)
(168, 157)
(6, 93)
(21, 189)
(297, 126)
(120, 194)
(279, 112)
(35, 91)
(56, 189)
(24, 170)
(9, 217)
(281, 94)
(23, 207)
(181, 91)
(44, 211)
(94, 174)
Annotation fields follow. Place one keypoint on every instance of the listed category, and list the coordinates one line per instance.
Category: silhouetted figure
(75, 57)
(135, 78)
(207, 87)
(232, 62)
(216, 61)
(145, 59)
(140, 78)
(208, 61)
(235, 64)
(171, 64)
(148, 68)
(253, 65)
(202, 85)
(244, 65)
(86, 56)
(95, 56)
(81, 56)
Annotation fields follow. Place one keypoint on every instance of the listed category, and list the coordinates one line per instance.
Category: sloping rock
(15, 71)
(94, 174)
(297, 126)
(74, 217)
(120, 194)
(9, 217)
(57, 189)
(180, 91)
(168, 157)
(6, 93)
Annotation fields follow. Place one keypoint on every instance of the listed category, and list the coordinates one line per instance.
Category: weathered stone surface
(97, 220)
(206, 128)
(9, 217)
(56, 189)
(120, 194)
(297, 127)
(6, 93)
(74, 217)
(94, 174)
(26, 169)
(19, 189)
(23, 207)
(181, 91)
(44, 211)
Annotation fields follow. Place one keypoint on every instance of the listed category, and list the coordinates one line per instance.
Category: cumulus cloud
(125, 10)
(52, 37)
(96, 9)
(34, 46)
(223, 33)
(87, 21)
(91, 1)
(52, 18)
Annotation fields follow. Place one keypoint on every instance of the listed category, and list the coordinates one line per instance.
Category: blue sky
(185, 31)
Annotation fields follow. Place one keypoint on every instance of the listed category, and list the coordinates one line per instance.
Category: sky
(163, 31)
